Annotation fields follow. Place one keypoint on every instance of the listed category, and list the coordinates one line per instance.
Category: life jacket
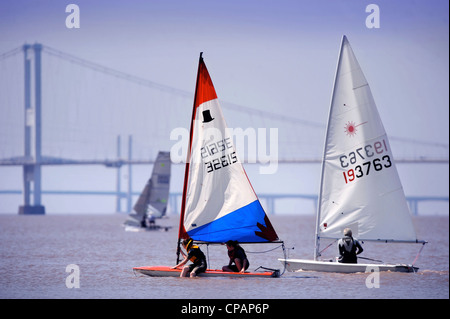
(196, 255)
(349, 244)
(348, 253)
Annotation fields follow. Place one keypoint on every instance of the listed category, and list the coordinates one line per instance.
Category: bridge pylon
(33, 128)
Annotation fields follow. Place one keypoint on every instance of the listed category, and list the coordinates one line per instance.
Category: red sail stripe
(205, 89)
(204, 92)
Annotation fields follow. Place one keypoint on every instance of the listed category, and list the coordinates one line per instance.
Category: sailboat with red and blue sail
(219, 203)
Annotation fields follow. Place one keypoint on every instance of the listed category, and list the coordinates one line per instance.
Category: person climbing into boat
(195, 255)
(237, 256)
(349, 248)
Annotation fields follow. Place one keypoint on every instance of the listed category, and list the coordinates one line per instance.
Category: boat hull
(137, 229)
(330, 266)
(165, 271)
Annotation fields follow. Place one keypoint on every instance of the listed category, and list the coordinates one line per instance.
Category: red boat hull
(165, 271)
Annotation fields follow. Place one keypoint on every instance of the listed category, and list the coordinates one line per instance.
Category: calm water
(35, 251)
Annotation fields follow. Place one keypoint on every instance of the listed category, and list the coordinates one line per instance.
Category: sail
(219, 203)
(360, 186)
(153, 199)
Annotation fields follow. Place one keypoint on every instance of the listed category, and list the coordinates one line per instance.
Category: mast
(319, 198)
(181, 230)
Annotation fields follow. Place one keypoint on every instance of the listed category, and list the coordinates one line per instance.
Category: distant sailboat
(360, 187)
(152, 203)
(219, 203)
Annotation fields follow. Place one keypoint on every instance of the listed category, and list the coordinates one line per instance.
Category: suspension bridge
(58, 109)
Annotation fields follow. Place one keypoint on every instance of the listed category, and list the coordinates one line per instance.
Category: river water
(43, 256)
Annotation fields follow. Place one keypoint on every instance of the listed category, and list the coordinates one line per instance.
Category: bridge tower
(32, 125)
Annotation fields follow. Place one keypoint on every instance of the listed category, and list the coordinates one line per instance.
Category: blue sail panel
(246, 224)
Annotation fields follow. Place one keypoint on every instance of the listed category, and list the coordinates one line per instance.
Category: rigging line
(11, 53)
(320, 252)
(207, 254)
(417, 256)
(380, 261)
(285, 259)
(284, 264)
(262, 252)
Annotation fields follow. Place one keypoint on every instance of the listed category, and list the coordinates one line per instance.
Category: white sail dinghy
(359, 188)
(152, 202)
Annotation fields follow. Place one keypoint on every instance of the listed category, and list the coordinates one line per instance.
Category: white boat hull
(330, 266)
(142, 229)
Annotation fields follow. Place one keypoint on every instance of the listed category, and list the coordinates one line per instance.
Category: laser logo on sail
(350, 127)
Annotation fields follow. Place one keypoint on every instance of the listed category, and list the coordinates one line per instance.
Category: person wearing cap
(349, 248)
(195, 255)
(237, 256)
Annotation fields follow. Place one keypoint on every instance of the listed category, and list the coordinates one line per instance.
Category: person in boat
(151, 222)
(143, 222)
(238, 258)
(349, 248)
(195, 255)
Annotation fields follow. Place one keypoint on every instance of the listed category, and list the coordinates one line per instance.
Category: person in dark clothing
(237, 257)
(349, 248)
(195, 255)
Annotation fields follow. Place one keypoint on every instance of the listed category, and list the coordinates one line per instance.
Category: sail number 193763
(371, 154)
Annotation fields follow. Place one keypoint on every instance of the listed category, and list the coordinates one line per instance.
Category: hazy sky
(261, 53)
(270, 55)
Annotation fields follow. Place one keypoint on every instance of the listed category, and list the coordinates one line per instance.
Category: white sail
(360, 186)
(152, 202)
